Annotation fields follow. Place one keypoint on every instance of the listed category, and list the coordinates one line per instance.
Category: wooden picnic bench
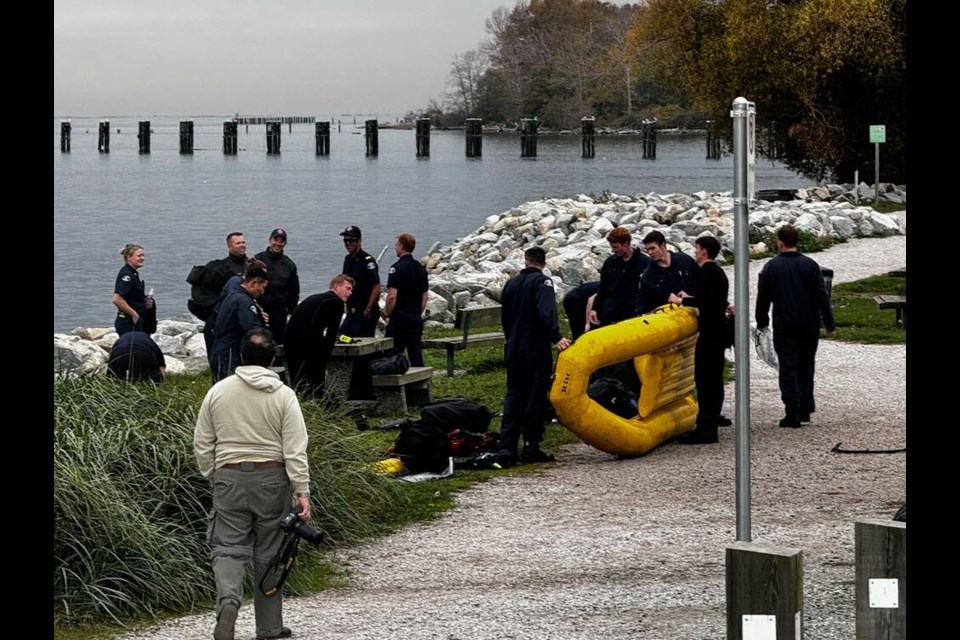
(467, 318)
(898, 303)
(394, 393)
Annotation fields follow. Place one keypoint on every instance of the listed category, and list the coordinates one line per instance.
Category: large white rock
(73, 354)
(195, 346)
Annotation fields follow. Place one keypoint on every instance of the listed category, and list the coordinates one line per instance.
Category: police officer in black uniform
(668, 273)
(407, 291)
(363, 308)
(530, 325)
(281, 297)
(128, 292)
(239, 313)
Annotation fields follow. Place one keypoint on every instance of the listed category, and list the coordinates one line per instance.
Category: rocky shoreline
(572, 231)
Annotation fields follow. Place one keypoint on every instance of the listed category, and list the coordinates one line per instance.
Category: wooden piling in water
(229, 138)
(103, 137)
(649, 133)
(65, 128)
(588, 134)
(370, 135)
(143, 136)
(323, 138)
(528, 137)
(713, 141)
(273, 138)
(423, 137)
(186, 137)
(474, 135)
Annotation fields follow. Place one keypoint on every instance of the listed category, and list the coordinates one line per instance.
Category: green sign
(878, 133)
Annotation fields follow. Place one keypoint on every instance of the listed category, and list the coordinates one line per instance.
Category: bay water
(181, 207)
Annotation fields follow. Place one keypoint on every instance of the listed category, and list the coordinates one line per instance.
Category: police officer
(128, 292)
(363, 309)
(668, 273)
(530, 325)
(407, 292)
(281, 298)
(238, 314)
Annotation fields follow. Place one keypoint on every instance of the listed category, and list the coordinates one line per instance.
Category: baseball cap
(278, 233)
(352, 231)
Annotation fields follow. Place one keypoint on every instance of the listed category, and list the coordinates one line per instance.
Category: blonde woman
(128, 294)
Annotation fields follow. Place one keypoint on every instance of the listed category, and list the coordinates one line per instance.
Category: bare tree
(465, 73)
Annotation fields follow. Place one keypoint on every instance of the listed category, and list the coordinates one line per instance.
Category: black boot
(701, 434)
(533, 454)
(791, 419)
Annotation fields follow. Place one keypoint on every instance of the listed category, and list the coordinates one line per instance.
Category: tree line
(820, 72)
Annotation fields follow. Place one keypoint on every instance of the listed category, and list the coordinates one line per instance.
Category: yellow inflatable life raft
(661, 345)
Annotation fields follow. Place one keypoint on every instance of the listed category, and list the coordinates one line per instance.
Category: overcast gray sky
(257, 57)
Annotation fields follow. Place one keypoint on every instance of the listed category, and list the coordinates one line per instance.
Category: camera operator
(251, 441)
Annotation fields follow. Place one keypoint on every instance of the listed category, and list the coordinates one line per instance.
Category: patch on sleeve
(253, 309)
(372, 265)
(125, 278)
(393, 270)
(548, 282)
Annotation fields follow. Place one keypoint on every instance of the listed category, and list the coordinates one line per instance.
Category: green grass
(857, 316)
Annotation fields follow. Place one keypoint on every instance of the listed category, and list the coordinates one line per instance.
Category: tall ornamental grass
(130, 506)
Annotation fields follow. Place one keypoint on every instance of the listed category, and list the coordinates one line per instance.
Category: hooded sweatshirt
(252, 416)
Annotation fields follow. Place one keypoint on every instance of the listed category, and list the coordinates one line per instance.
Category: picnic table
(346, 357)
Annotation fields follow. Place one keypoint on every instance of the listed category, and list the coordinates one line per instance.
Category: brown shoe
(226, 620)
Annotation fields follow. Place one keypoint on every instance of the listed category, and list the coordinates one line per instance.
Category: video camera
(276, 573)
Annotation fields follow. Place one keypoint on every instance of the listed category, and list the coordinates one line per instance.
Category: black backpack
(457, 413)
(422, 446)
(205, 282)
(613, 396)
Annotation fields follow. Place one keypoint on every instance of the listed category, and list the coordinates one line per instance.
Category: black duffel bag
(397, 364)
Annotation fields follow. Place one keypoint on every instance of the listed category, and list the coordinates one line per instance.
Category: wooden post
(713, 141)
(229, 138)
(103, 137)
(474, 135)
(649, 139)
(143, 136)
(881, 578)
(186, 137)
(589, 135)
(423, 137)
(528, 137)
(323, 138)
(273, 138)
(764, 592)
(65, 127)
(370, 135)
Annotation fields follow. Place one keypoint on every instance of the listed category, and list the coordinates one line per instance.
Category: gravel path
(594, 547)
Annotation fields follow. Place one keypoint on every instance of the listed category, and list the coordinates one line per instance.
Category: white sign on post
(751, 150)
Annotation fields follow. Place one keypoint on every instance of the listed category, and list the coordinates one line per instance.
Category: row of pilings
(473, 136)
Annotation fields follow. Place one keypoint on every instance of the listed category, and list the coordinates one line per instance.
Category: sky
(258, 57)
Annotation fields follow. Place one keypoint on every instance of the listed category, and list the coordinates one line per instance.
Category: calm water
(180, 208)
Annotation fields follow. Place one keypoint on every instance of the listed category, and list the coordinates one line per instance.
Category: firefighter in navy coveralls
(667, 273)
(407, 292)
(281, 298)
(363, 306)
(128, 293)
(530, 325)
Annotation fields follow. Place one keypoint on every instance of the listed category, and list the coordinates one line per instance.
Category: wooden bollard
(186, 137)
(649, 132)
(528, 137)
(474, 134)
(103, 137)
(65, 128)
(273, 138)
(143, 136)
(588, 135)
(229, 138)
(881, 576)
(764, 592)
(323, 138)
(370, 135)
(423, 137)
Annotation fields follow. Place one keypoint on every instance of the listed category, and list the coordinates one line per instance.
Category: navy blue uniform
(136, 357)
(210, 325)
(619, 280)
(711, 304)
(131, 288)
(409, 278)
(575, 304)
(657, 283)
(794, 284)
(366, 275)
(238, 314)
(311, 336)
(281, 297)
(530, 325)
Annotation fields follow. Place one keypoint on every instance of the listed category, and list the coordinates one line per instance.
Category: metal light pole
(743, 114)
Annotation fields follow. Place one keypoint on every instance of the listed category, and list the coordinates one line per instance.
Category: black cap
(352, 231)
(278, 233)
